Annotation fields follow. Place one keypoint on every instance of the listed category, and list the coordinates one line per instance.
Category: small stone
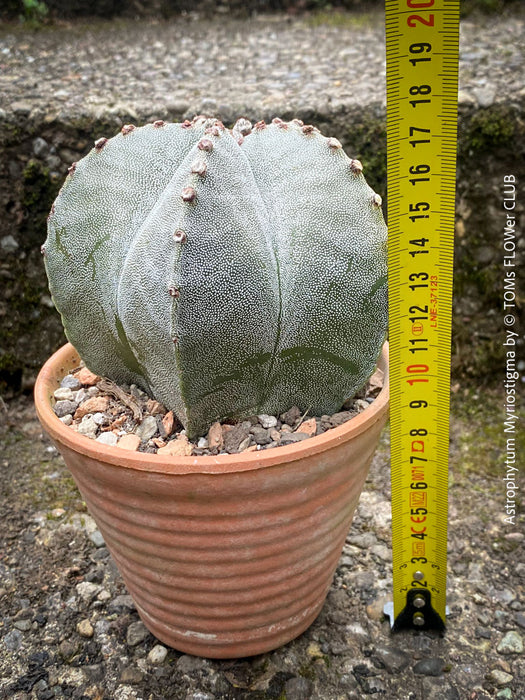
(375, 609)
(234, 437)
(505, 694)
(67, 419)
(515, 536)
(381, 551)
(21, 107)
(147, 429)
(482, 633)
(375, 383)
(87, 590)
(155, 408)
(85, 629)
(88, 427)
(101, 418)
(289, 438)
(429, 667)
(131, 674)
(40, 147)
(314, 651)
(511, 643)
(394, 660)
(64, 408)
(104, 596)
(130, 441)
(64, 394)
(500, 678)
(245, 444)
(95, 404)
(484, 96)
(9, 244)
(260, 435)
(291, 416)
(81, 395)
(67, 649)
(86, 377)
(275, 435)
(107, 438)
(187, 664)
(168, 422)
(340, 418)
(157, 655)
(180, 447)
(215, 437)
(267, 421)
(363, 541)
(520, 619)
(12, 640)
(70, 382)
(122, 602)
(202, 443)
(22, 625)
(309, 427)
(97, 538)
(137, 633)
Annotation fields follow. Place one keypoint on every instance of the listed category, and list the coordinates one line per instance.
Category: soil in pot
(128, 418)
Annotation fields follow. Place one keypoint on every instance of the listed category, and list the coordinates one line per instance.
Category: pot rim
(45, 385)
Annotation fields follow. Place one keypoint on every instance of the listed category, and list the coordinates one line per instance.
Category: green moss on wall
(489, 128)
(39, 191)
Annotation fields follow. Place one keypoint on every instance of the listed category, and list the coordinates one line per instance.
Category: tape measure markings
(422, 47)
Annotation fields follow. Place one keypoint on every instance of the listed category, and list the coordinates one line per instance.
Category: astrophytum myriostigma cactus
(227, 273)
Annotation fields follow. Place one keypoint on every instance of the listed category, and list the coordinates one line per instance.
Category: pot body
(224, 556)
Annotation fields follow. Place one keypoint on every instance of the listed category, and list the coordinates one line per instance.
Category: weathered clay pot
(224, 556)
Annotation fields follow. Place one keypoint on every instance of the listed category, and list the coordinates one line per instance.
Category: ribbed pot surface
(224, 556)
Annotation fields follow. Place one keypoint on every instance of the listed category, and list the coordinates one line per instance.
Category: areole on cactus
(225, 272)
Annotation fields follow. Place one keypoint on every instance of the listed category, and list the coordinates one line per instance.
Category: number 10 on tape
(422, 73)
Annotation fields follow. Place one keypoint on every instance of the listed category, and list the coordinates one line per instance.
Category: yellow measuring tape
(422, 72)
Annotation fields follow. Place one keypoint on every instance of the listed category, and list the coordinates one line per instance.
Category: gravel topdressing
(127, 417)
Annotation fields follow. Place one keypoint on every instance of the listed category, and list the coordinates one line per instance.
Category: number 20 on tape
(422, 72)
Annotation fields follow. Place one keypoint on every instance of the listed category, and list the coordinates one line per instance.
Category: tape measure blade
(422, 41)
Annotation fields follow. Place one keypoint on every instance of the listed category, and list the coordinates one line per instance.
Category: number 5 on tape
(422, 73)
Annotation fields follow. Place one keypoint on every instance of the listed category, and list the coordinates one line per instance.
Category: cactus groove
(225, 272)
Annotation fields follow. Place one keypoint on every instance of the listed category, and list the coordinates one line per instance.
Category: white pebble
(63, 394)
(88, 426)
(267, 421)
(88, 590)
(101, 418)
(203, 443)
(67, 420)
(158, 654)
(107, 438)
(81, 395)
(97, 538)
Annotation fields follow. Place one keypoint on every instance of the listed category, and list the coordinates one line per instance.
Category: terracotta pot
(224, 556)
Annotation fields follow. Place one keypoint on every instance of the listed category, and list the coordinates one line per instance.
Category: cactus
(225, 272)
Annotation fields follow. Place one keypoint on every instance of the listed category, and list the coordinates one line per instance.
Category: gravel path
(68, 629)
(233, 67)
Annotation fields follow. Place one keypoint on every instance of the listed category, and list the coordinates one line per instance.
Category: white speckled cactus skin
(225, 272)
